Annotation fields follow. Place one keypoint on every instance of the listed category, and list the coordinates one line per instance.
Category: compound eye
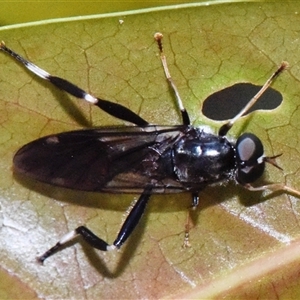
(249, 153)
(249, 148)
(249, 174)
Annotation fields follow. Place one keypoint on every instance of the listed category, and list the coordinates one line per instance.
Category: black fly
(145, 159)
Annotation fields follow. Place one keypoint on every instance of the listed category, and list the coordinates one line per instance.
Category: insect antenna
(226, 127)
(184, 114)
(272, 160)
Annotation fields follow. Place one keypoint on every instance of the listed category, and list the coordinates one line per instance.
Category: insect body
(143, 159)
(167, 158)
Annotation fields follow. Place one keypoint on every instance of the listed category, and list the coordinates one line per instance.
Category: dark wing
(113, 159)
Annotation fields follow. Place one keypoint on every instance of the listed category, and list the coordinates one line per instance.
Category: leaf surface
(243, 243)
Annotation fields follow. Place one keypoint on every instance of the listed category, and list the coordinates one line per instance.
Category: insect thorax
(203, 158)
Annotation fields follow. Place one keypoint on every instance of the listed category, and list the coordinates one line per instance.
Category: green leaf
(244, 244)
(13, 12)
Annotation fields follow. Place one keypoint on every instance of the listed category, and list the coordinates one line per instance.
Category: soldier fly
(144, 158)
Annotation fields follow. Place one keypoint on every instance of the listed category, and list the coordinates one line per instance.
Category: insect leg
(114, 109)
(226, 127)
(130, 223)
(189, 221)
(195, 200)
(275, 187)
(184, 114)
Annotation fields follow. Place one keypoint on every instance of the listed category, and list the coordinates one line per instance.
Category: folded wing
(113, 159)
